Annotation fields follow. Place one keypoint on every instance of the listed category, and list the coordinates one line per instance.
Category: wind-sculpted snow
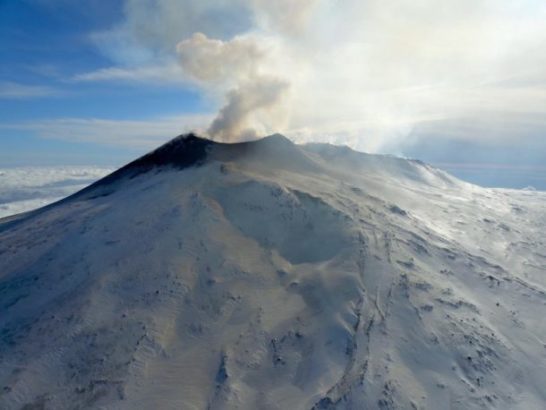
(313, 277)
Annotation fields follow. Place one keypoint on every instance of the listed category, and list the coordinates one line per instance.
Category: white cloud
(288, 17)
(26, 188)
(11, 90)
(154, 74)
(369, 73)
(151, 29)
(143, 134)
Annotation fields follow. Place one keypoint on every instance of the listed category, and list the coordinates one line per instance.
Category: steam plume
(366, 73)
(234, 120)
(234, 68)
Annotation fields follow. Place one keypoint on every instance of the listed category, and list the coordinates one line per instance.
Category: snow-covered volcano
(268, 275)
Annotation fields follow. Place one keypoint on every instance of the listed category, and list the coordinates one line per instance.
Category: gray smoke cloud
(216, 62)
(234, 120)
(234, 68)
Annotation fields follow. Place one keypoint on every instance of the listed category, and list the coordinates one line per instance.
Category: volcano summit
(269, 275)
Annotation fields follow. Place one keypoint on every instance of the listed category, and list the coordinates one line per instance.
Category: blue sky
(100, 82)
(43, 45)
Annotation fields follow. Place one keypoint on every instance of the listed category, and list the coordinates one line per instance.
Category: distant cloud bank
(26, 188)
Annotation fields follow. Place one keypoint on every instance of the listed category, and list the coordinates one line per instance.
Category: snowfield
(268, 275)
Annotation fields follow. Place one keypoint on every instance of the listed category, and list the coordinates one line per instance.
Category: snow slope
(268, 275)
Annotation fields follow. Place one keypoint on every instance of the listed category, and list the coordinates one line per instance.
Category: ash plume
(234, 120)
(235, 69)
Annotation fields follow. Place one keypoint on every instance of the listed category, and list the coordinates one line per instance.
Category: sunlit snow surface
(277, 277)
(26, 188)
